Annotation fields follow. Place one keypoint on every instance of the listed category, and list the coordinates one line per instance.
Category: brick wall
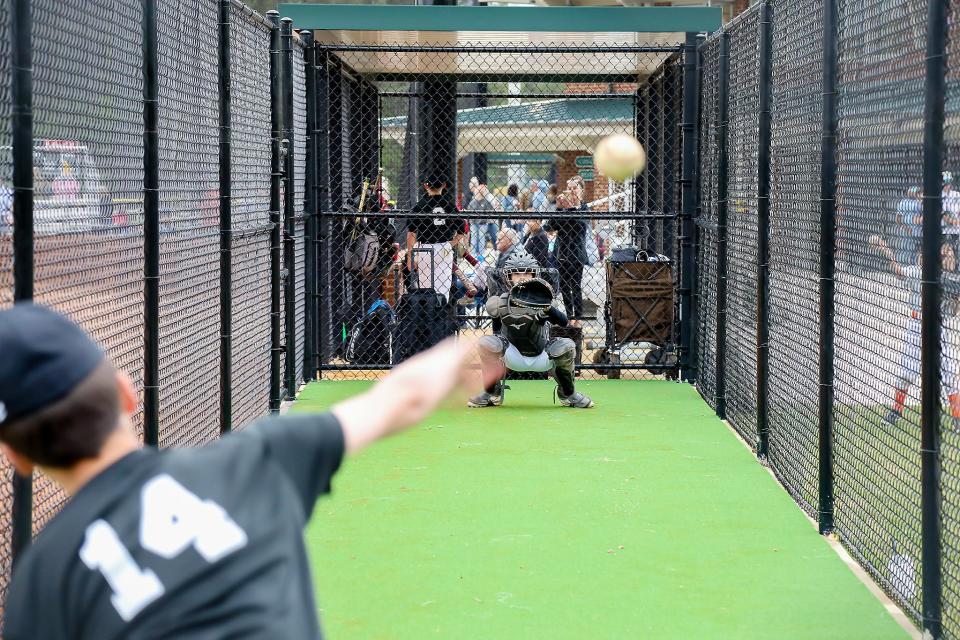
(567, 168)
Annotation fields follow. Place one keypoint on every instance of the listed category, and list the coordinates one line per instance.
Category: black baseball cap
(434, 182)
(43, 357)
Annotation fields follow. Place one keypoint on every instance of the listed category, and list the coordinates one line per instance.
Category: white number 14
(172, 519)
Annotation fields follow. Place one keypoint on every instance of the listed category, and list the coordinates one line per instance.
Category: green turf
(641, 518)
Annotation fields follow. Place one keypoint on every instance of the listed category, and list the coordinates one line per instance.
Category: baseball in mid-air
(620, 157)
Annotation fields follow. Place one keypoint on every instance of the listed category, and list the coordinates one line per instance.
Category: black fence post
(226, 225)
(289, 211)
(930, 327)
(324, 311)
(310, 210)
(23, 247)
(691, 87)
(694, 361)
(151, 227)
(276, 173)
(828, 233)
(763, 232)
(723, 95)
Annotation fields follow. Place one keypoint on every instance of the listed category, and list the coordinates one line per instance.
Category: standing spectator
(910, 358)
(511, 202)
(481, 230)
(435, 231)
(512, 199)
(538, 243)
(571, 248)
(538, 199)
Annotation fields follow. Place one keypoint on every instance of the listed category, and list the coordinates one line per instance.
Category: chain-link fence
(250, 162)
(797, 125)
(711, 233)
(742, 224)
(950, 390)
(88, 150)
(879, 173)
(91, 245)
(447, 162)
(6, 263)
(190, 225)
(843, 417)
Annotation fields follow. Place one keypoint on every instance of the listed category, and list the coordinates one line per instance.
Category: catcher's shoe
(485, 399)
(892, 416)
(576, 400)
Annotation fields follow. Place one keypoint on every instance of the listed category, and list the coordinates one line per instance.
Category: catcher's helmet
(520, 262)
(531, 294)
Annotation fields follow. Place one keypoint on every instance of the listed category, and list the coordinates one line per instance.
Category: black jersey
(436, 225)
(187, 543)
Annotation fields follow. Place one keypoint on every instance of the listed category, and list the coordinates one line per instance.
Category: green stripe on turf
(641, 518)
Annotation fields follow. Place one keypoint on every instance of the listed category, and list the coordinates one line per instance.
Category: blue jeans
(480, 232)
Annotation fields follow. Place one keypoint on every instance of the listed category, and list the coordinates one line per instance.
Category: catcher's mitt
(534, 294)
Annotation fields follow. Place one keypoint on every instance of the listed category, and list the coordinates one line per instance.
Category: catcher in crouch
(523, 342)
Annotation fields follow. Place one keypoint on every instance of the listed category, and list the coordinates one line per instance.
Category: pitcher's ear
(23, 466)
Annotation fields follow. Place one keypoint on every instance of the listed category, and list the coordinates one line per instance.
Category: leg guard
(562, 352)
(492, 349)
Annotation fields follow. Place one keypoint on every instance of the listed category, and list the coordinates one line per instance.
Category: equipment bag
(370, 339)
(423, 319)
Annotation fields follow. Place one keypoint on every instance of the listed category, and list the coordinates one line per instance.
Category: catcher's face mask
(520, 276)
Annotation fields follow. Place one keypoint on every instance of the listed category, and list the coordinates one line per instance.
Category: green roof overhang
(351, 17)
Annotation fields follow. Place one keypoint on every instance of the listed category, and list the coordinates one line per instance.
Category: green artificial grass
(644, 517)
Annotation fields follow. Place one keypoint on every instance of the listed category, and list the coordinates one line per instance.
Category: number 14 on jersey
(172, 519)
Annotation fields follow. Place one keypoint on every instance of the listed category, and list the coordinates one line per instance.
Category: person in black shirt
(431, 238)
(538, 243)
(185, 543)
(571, 252)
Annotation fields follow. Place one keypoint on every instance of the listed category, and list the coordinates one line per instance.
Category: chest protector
(522, 329)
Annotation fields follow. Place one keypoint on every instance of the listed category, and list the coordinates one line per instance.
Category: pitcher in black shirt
(180, 543)
(436, 232)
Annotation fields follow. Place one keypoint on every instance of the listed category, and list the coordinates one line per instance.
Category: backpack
(369, 249)
(370, 338)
